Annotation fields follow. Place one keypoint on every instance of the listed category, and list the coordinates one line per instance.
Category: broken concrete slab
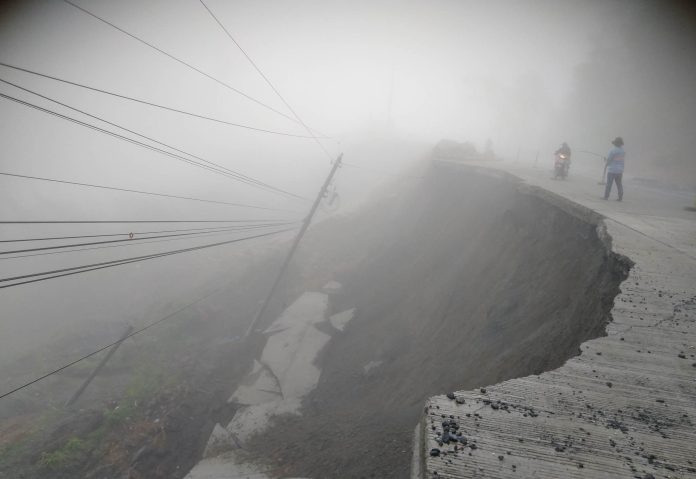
(285, 373)
(340, 320)
(332, 287)
(260, 386)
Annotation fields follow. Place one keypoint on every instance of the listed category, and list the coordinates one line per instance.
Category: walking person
(615, 168)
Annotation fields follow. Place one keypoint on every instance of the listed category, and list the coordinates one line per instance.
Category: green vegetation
(13, 452)
(71, 454)
(69, 451)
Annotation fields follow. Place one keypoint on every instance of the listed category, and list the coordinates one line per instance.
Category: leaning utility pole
(99, 367)
(298, 238)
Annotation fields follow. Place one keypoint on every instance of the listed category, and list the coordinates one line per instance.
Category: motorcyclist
(563, 150)
(562, 161)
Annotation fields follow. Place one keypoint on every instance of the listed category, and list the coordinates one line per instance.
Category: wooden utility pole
(295, 244)
(101, 365)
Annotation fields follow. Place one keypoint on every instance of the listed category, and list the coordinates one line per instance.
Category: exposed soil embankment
(458, 281)
(462, 282)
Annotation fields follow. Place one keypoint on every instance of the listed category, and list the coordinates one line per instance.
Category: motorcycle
(561, 165)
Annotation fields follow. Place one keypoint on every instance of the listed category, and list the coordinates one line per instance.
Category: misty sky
(363, 73)
(448, 69)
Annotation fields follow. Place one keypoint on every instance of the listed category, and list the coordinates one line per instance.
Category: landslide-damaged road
(625, 407)
(457, 281)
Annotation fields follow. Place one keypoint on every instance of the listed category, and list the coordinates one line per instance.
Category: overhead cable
(128, 190)
(46, 275)
(53, 238)
(129, 240)
(44, 222)
(232, 172)
(145, 241)
(299, 120)
(169, 55)
(215, 169)
(87, 356)
(155, 105)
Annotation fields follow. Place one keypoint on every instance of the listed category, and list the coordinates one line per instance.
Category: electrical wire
(87, 356)
(127, 190)
(52, 238)
(156, 105)
(232, 172)
(149, 193)
(43, 222)
(109, 264)
(299, 120)
(198, 235)
(129, 140)
(92, 243)
(169, 55)
(216, 169)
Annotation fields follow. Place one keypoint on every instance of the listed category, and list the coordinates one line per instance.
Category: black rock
(434, 452)
(483, 390)
(451, 396)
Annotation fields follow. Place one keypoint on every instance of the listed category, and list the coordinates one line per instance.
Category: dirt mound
(463, 282)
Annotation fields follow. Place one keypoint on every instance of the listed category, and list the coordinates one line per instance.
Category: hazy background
(385, 80)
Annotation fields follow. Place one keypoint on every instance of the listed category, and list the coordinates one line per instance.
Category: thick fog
(384, 81)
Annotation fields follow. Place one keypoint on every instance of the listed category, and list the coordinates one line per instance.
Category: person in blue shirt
(615, 168)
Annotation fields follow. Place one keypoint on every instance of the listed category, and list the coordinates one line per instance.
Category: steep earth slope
(463, 281)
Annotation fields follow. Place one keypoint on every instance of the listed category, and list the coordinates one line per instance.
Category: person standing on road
(615, 168)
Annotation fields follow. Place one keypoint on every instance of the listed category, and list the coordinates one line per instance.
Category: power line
(169, 55)
(216, 169)
(109, 264)
(235, 173)
(92, 243)
(242, 176)
(52, 238)
(156, 105)
(127, 190)
(267, 80)
(87, 356)
(125, 138)
(43, 222)
(197, 235)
